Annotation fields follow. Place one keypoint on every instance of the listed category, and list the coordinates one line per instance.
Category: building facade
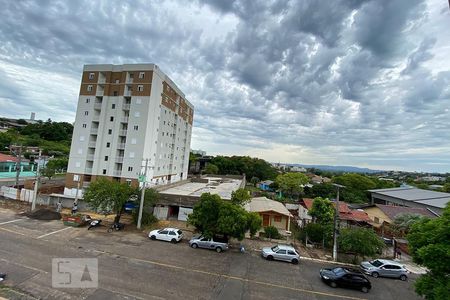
(128, 115)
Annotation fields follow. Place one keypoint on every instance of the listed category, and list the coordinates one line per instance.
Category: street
(133, 267)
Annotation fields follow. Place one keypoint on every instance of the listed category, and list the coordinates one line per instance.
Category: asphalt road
(132, 267)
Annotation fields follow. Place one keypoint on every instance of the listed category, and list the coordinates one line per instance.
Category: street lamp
(336, 222)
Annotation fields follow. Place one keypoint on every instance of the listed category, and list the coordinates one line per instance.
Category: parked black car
(344, 277)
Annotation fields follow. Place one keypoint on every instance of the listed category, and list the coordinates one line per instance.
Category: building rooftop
(393, 211)
(261, 204)
(432, 198)
(214, 185)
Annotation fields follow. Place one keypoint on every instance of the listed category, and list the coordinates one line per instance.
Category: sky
(345, 82)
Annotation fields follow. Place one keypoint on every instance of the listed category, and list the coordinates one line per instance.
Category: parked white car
(172, 235)
(281, 252)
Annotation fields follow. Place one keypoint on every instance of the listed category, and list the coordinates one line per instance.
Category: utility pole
(78, 179)
(141, 205)
(336, 223)
(36, 183)
(18, 166)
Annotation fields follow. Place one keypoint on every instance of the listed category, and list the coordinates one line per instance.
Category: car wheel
(269, 257)
(110, 230)
(364, 289)
(294, 261)
(333, 284)
(218, 249)
(173, 241)
(194, 246)
(153, 237)
(375, 274)
(403, 277)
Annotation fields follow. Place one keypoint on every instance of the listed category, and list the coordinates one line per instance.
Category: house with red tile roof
(347, 216)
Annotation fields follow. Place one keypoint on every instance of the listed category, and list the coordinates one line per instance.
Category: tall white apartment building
(127, 115)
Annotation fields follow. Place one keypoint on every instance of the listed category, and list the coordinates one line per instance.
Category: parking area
(133, 267)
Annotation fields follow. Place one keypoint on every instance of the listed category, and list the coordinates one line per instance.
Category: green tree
(59, 164)
(212, 215)
(48, 172)
(291, 183)
(360, 241)
(150, 199)
(254, 180)
(324, 190)
(446, 187)
(211, 169)
(429, 242)
(322, 211)
(254, 223)
(107, 195)
(356, 186)
(240, 197)
(403, 222)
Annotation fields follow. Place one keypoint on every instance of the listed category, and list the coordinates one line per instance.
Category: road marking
(53, 232)
(12, 231)
(234, 277)
(7, 222)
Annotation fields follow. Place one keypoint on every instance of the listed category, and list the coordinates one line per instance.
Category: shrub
(147, 217)
(271, 232)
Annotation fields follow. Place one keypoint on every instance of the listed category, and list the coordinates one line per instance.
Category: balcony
(122, 132)
(99, 91)
(94, 130)
(96, 118)
(98, 106)
(92, 144)
(90, 157)
(121, 146)
(126, 106)
(127, 93)
(129, 80)
(88, 170)
(124, 120)
(117, 172)
(119, 159)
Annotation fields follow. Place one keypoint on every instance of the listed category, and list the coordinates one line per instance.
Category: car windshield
(376, 263)
(274, 248)
(339, 271)
(179, 232)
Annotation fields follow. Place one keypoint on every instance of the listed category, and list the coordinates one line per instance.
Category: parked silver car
(384, 268)
(281, 252)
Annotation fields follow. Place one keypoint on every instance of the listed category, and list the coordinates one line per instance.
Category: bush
(271, 232)
(147, 218)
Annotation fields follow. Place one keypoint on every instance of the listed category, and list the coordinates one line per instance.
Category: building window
(106, 158)
(108, 145)
(81, 138)
(135, 127)
(111, 119)
(104, 171)
(84, 125)
(78, 164)
(130, 169)
(133, 141)
(115, 93)
(91, 76)
(131, 154)
(113, 106)
(109, 131)
(141, 75)
(138, 101)
(88, 100)
(140, 88)
(86, 113)
(90, 87)
(277, 219)
(137, 114)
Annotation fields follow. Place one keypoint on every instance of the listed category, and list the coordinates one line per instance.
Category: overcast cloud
(348, 82)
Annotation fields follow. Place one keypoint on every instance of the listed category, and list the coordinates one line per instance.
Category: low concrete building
(265, 185)
(177, 200)
(273, 213)
(411, 197)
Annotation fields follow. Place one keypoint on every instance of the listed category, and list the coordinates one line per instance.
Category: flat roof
(216, 185)
(432, 198)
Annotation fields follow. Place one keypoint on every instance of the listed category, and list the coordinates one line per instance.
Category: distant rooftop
(432, 198)
(214, 185)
